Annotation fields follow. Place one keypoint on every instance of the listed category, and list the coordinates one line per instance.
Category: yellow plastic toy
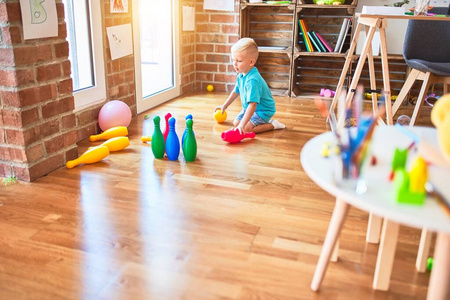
(89, 157)
(146, 139)
(115, 144)
(441, 110)
(110, 133)
(444, 137)
(440, 117)
(219, 116)
(418, 176)
(210, 88)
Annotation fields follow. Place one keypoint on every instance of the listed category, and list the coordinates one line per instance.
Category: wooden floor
(241, 222)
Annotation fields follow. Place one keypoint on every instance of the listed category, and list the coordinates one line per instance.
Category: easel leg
(373, 82)
(348, 60)
(385, 67)
(360, 65)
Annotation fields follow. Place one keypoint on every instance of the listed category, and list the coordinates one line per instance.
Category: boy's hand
(241, 128)
(222, 108)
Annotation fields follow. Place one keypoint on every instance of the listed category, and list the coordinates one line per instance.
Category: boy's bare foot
(276, 124)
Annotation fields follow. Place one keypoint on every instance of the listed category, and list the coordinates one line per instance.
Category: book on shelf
(255, 1)
(318, 41)
(271, 48)
(347, 37)
(324, 42)
(314, 42)
(342, 34)
(304, 35)
(304, 30)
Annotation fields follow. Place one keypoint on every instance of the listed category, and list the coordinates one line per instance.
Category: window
(84, 33)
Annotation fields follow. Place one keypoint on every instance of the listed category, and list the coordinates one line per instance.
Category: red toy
(234, 136)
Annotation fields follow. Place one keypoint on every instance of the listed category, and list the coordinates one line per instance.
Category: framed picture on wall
(119, 6)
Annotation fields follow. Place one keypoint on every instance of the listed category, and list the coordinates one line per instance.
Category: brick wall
(38, 128)
(187, 53)
(37, 123)
(216, 31)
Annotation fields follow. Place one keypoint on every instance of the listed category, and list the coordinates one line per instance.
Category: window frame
(97, 93)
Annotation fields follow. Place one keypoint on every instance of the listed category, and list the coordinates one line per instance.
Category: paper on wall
(39, 18)
(219, 4)
(118, 6)
(119, 38)
(188, 18)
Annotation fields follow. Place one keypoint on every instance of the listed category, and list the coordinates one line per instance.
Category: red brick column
(37, 126)
(187, 53)
(216, 31)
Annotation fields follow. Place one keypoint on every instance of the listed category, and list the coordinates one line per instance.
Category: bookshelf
(312, 71)
(272, 28)
(284, 62)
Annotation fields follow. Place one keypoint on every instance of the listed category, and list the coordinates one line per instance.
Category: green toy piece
(329, 2)
(399, 160)
(410, 187)
(429, 263)
(158, 143)
(189, 143)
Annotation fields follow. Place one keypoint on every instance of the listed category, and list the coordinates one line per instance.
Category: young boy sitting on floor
(258, 105)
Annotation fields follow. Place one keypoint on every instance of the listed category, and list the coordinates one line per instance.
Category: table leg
(374, 229)
(424, 247)
(334, 230)
(439, 286)
(386, 253)
(335, 254)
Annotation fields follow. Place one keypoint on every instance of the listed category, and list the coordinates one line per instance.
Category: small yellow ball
(210, 88)
(220, 118)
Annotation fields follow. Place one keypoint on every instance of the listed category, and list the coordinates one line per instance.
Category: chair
(426, 52)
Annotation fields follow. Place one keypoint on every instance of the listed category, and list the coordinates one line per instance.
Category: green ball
(429, 263)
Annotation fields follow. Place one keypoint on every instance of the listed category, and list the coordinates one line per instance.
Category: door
(156, 46)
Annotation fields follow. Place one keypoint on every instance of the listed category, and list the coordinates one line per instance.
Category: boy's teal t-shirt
(253, 88)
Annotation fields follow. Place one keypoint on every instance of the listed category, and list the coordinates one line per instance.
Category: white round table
(379, 199)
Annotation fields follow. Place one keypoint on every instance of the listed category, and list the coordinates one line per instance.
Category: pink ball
(114, 113)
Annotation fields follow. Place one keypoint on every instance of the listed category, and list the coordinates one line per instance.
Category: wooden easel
(371, 25)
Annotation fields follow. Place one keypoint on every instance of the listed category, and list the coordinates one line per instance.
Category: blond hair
(246, 44)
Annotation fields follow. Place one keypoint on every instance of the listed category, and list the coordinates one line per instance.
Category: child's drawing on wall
(119, 6)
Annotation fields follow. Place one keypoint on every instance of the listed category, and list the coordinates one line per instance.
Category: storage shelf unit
(271, 26)
(312, 71)
(287, 68)
(284, 62)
